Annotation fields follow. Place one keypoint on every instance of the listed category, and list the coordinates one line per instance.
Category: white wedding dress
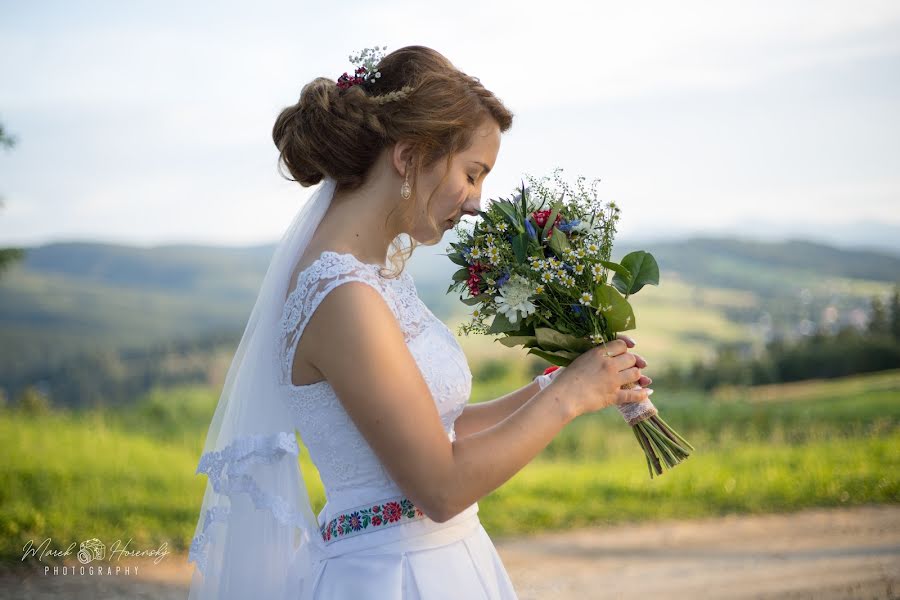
(379, 545)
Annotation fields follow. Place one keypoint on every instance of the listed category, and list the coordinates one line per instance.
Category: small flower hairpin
(365, 73)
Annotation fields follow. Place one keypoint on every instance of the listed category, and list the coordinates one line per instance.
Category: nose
(472, 208)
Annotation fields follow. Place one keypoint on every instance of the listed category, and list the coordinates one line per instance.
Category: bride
(340, 348)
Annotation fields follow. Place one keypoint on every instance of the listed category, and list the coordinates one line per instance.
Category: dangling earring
(405, 190)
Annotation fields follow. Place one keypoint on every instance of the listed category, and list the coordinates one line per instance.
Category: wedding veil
(257, 536)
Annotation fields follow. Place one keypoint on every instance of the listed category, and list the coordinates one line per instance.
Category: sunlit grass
(130, 474)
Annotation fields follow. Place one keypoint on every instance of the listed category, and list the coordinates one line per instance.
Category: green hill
(139, 315)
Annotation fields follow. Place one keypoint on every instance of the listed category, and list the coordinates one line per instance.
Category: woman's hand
(598, 377)
(551, 373)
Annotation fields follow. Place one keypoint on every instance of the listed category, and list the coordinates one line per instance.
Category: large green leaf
(559, 357)
(618, 312)
(624, 273)
(551, 340)
(643, 269)
(511, 341)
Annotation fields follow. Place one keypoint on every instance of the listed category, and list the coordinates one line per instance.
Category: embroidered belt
(370, 517)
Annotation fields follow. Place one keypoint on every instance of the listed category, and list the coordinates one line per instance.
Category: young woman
(340, 348)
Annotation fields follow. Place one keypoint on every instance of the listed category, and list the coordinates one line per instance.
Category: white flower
(582, 227)
(514, 299)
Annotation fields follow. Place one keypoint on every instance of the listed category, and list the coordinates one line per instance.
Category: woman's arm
(482, 415)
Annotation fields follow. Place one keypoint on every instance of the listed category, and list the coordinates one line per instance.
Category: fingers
(628, 339)
(627, 359)
(614, 347)
(630, 375)
(639, 395)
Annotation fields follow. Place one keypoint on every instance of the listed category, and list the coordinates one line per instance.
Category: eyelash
(472, 181)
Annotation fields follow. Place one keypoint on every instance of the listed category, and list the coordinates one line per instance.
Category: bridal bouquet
(539, 264)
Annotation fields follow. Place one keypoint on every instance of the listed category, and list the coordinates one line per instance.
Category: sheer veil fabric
(257, 535)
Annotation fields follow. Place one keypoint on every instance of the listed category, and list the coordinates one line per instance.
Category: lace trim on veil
(226, 470)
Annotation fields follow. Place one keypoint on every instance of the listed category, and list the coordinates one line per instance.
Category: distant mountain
(63, 299)
(769, 268)
(878, 236)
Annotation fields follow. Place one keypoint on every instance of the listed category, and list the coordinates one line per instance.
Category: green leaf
(618, 269)
(475, 299)
(550, 221)
(524, 204)
(561, 357)
(501, 324)
(559, 242)
(461, 275)
(509, 211)
(511, 341)
(618, 312)
(643, 269)
(518, 246)
(458, 259)
(552, 340)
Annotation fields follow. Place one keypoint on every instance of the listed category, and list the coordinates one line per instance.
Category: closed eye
(472, 181)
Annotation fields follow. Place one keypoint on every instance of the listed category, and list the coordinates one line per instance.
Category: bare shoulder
(359, 347)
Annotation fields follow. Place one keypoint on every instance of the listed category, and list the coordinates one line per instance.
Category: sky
(150, 123)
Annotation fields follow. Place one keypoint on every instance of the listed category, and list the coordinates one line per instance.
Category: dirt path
(828, 553)
(833, 553)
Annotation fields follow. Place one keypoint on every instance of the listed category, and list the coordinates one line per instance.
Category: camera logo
(92, 549)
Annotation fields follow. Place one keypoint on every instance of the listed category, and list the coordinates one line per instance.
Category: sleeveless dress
(380, 545)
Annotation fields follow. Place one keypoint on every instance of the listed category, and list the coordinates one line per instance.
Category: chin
(429, 238)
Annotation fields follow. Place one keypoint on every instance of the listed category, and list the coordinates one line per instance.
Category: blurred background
(752, 148)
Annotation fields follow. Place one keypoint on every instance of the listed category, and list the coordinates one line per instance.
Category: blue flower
(502, 279)
(530, 228)
(567, 226)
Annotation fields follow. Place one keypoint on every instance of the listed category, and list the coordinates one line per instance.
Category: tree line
(822, 355)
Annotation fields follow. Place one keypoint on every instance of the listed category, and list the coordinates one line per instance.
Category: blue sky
(150, 122)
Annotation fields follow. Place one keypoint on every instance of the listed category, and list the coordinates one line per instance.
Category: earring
(405, 190)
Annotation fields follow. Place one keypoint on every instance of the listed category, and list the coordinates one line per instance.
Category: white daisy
(514, 299)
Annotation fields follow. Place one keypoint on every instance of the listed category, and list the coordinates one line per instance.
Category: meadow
(129, 474)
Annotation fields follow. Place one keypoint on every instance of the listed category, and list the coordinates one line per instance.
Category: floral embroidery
(365, 518)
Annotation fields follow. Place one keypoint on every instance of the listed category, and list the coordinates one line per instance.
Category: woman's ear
(401, 157)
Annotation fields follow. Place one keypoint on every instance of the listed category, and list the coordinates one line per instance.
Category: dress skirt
(419, 560)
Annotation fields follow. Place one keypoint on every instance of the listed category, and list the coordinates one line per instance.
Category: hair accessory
(367, 72)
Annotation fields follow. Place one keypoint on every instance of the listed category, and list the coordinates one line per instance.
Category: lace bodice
(350, 470)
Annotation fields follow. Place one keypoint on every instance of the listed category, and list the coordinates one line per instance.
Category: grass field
(126, 475)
